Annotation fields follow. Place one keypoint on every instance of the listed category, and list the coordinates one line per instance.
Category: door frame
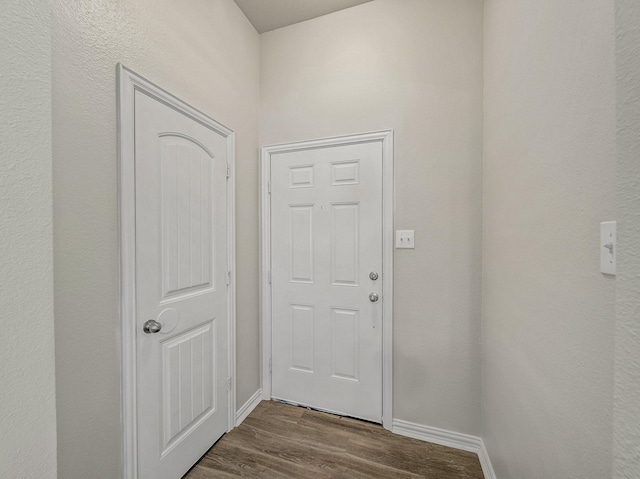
(385, 137)
(128, 83)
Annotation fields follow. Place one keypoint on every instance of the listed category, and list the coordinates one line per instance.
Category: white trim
(231, 268)
(456, 440)
(386, 138)
(126, 223)
(435, 435)
(265, 274)
(388, 203)
(248, 407)
(128, 82)
(485, 462)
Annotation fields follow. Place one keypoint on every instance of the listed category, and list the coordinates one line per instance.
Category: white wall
(549, 180)
(627, 392)
(27, 380)
(414, 66)
(206, 53)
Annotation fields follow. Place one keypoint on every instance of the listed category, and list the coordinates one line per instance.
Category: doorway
(327, 274)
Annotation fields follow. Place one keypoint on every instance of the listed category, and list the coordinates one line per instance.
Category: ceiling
(267, 15)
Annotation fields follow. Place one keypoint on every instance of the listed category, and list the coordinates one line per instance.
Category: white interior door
(181, 285)
(326, 240)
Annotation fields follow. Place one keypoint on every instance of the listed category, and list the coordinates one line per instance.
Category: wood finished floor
(282, 441)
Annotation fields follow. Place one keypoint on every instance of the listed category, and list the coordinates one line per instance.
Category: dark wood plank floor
(282, 441)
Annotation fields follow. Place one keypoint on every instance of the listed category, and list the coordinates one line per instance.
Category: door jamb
(128, 83)
(386, 138)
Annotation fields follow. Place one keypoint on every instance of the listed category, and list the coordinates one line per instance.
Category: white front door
(181, 285)
(326, 237)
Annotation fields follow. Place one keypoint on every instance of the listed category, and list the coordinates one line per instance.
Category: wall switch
(404, 239)
(608, 247)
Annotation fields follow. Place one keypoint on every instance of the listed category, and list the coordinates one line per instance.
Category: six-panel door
(326, 213)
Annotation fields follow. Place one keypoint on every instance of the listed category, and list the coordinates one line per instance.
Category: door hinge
(270, 365)
(228, 277)
(269, 187)
(228, 384)
(269, 276)
(228, 170)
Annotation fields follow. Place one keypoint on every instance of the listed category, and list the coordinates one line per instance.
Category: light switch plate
(608, 247)
(404, 239)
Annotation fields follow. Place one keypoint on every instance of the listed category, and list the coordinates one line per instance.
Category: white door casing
(177, 255)
(326, 224)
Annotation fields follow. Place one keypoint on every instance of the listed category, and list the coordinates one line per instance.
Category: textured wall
(27, 381)
(549, 180)
(414, 66)
(206, 53)
(627, 393)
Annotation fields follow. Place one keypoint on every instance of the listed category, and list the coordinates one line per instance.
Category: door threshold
(328, 411)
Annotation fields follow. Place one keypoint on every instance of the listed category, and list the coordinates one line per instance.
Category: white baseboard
(485, 462)
(457, 440)
(249, 406)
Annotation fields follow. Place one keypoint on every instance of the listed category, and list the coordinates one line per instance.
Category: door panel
(188, 381)
(302, 337)
(344, 343)
(301, 240)
(326, 214)
(186, 184)
(181, 263)
(345, 244)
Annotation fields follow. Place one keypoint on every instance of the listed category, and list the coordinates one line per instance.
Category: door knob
(373, 297)
(151, 326)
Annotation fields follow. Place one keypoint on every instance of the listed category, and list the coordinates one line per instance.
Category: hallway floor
(283, 441)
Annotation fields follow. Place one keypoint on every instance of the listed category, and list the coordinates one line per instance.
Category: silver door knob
(373, 276)
(151, 326)
(373, 297)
